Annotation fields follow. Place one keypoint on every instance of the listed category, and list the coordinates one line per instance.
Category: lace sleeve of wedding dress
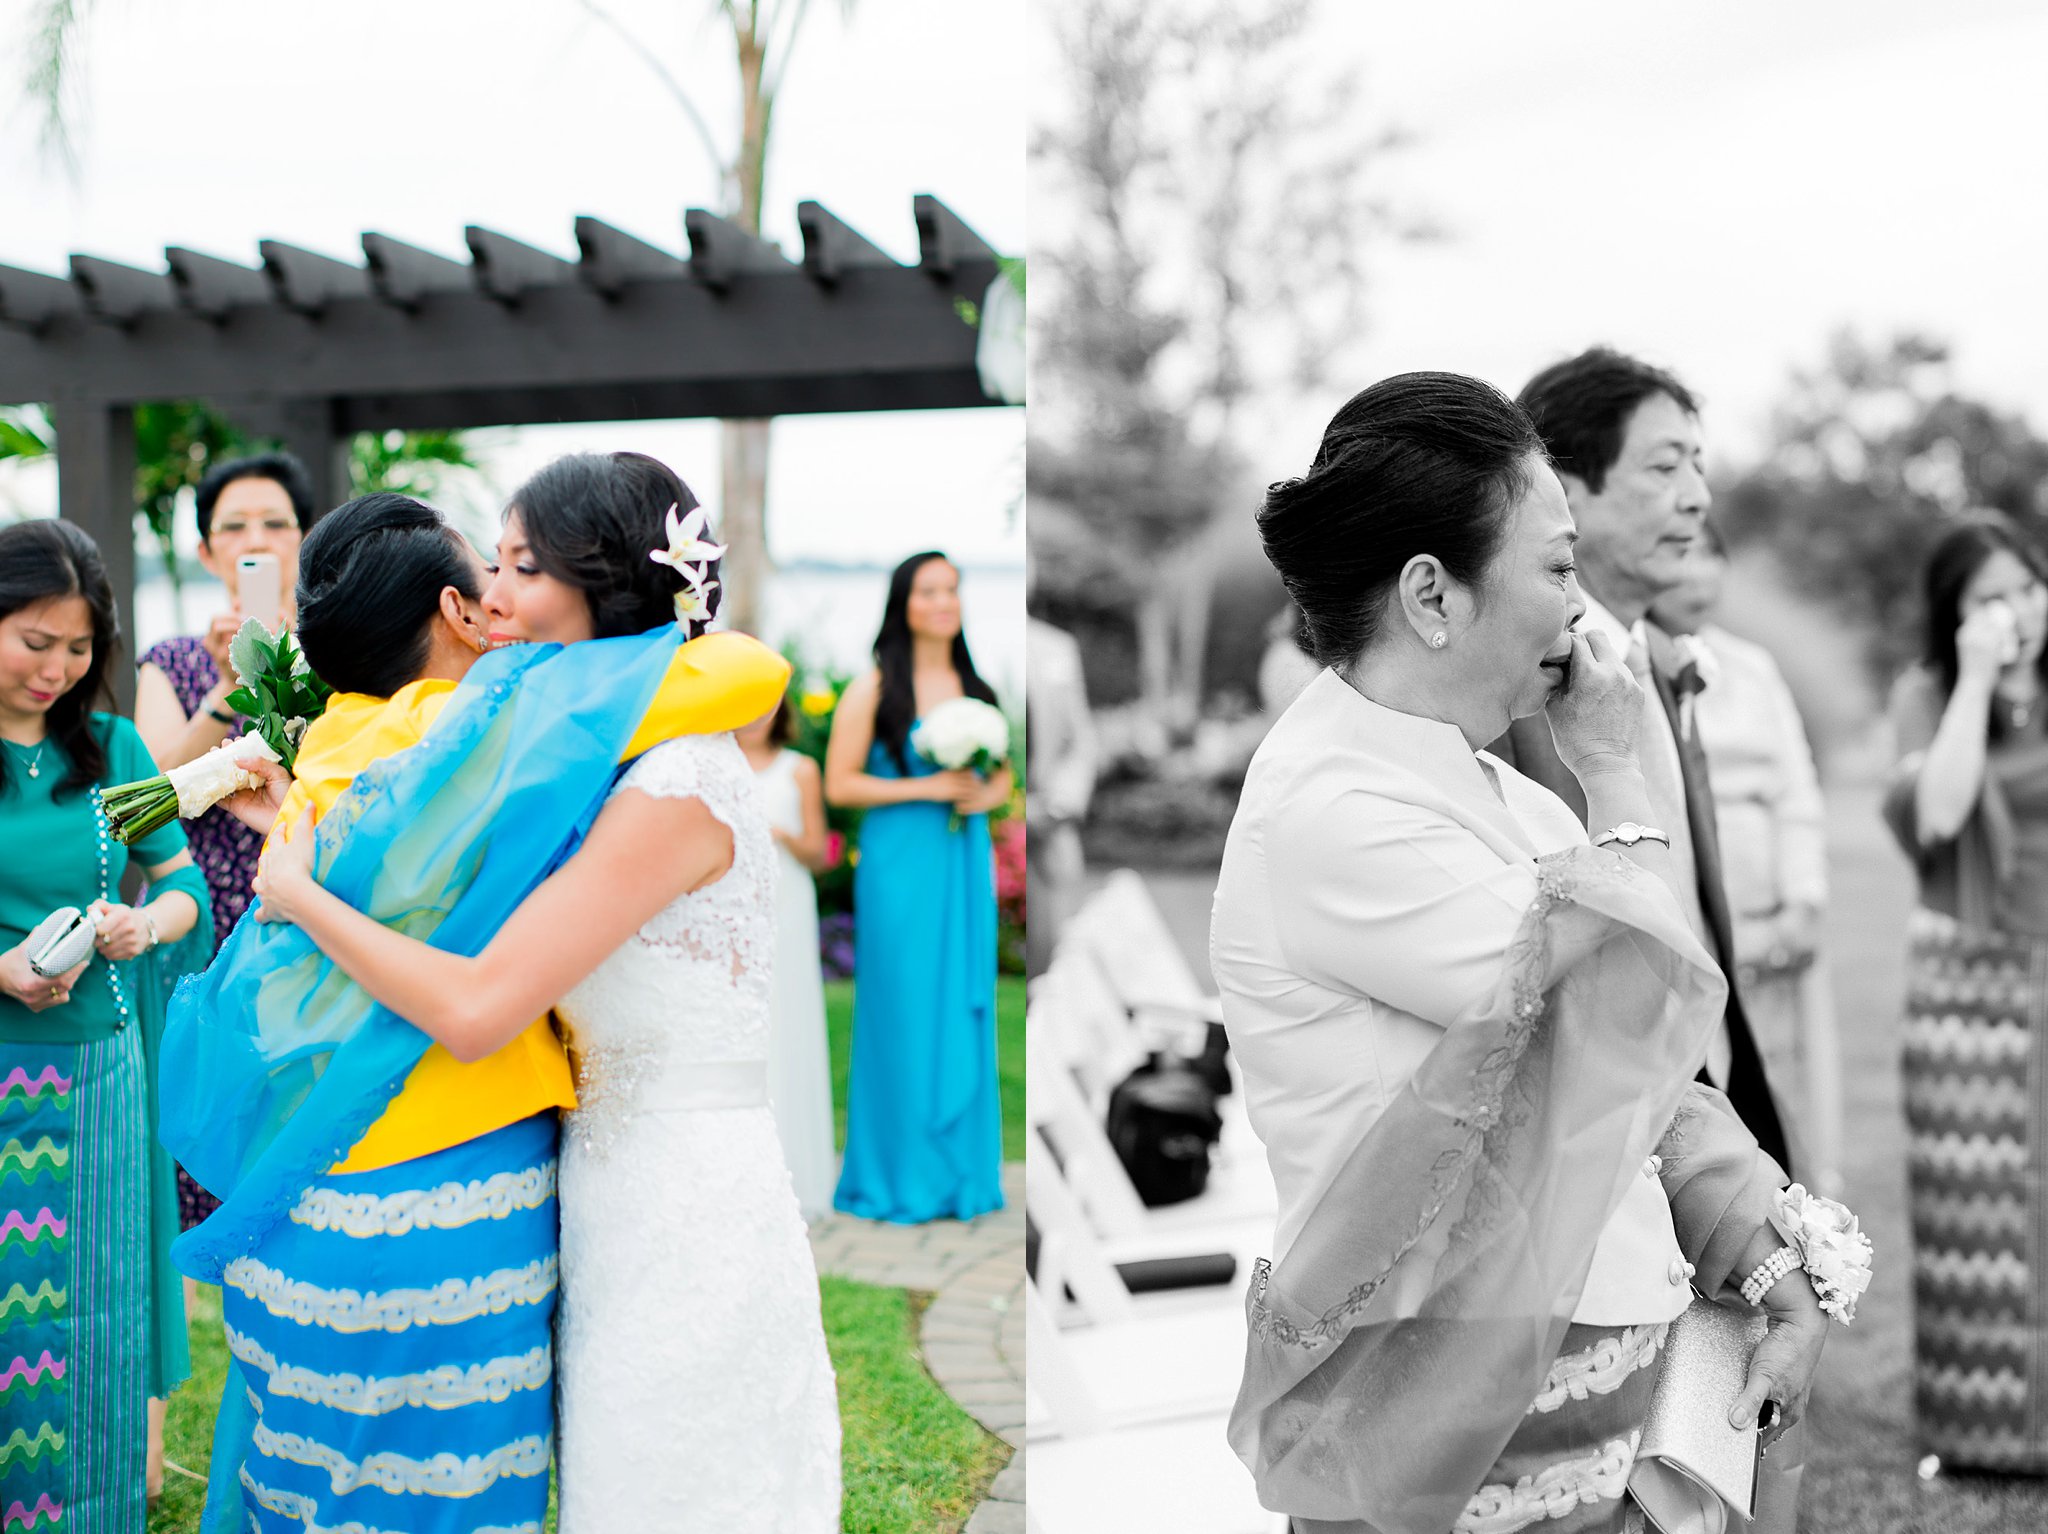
(707, 767)
(727, 921)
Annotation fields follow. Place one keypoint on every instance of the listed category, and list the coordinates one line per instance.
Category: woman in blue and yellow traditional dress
(923, 1121)
(92, 1321)
(388, 1238)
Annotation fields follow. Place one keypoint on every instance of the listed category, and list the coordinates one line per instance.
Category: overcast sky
(1717, 187)
(215, 123)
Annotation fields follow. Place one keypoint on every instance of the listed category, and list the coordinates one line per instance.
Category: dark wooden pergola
(310, 350)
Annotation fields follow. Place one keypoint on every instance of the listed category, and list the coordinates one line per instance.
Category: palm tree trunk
(743, 525)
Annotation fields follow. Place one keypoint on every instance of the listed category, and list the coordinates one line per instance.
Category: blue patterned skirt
(392, 1346)
(74, 1285)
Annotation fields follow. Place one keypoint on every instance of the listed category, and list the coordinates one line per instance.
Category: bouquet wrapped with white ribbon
(963, 733)
(277, 691)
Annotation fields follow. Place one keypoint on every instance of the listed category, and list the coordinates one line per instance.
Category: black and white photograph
(1538, 589)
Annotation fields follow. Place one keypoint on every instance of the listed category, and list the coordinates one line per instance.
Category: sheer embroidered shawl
(1395, 1348)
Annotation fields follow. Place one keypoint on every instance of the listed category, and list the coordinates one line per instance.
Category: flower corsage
(1825, 1237)
(278, 692)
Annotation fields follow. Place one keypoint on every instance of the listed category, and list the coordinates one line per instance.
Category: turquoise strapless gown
(923, 1121)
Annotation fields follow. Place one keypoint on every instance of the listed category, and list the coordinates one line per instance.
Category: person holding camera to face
(87, 1205)
(1968, 802)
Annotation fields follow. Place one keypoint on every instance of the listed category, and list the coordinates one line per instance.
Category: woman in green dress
(91, 1312)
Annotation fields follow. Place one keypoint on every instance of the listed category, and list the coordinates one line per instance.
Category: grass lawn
(914, 1462)
(1009, 1055)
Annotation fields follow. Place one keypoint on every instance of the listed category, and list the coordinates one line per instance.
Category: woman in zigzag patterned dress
(1969, 804)
(92, 1322)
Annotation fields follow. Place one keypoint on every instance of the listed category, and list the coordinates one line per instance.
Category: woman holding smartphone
(249, 509)
(1968, 802)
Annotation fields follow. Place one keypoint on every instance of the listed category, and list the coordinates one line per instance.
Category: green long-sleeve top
(49, 858)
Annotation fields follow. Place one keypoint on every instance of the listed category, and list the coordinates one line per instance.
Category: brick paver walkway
(973, 1333)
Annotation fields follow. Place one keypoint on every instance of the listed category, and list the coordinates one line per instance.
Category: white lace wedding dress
(694, 1391)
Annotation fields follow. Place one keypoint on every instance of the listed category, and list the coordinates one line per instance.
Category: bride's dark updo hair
(593, 519)
(371, 574)
(1421, 463)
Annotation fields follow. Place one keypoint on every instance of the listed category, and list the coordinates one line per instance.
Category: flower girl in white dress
(799, 1061)
(694, 1389)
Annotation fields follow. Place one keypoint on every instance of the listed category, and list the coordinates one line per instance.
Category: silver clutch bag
(60, 940)
(1694, 1474)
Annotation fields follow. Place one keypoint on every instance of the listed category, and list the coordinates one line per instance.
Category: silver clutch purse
(1694, 1474)
(60, 940)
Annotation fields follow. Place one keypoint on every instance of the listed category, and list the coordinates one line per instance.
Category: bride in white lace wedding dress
(694, 1390)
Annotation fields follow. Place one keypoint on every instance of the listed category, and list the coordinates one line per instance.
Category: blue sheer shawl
(274, 1061)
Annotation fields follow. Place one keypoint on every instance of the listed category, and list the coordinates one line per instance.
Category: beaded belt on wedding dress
(714, 1084)
(614, 1087)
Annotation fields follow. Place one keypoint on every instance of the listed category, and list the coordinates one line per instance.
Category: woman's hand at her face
(285, 874)
(1986, 641)
(37, 992)
(1596, 717)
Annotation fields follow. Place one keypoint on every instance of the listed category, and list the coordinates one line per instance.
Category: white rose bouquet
(277, 690)
(964, 732)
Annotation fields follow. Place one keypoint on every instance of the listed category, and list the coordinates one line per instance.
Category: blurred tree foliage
(1872, 455)
(177, 441)
(1217, 187)
(413, 463)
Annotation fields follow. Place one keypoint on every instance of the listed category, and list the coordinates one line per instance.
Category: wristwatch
(1628, 833)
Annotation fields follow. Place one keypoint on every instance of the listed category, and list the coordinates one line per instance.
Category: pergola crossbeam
(310, 350)
(307, 281)
(508, 270)
(721, 251)
(833, 248)
(210, 286)
(122, 294)
(404, 274)
(612, 258)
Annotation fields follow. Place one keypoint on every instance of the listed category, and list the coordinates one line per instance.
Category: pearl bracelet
(1767, 1273)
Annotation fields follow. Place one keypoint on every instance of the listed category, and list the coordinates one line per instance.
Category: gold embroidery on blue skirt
(447, 1207)
(448, 1303)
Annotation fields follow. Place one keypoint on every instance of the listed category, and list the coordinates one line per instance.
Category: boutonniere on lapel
(1697, 667)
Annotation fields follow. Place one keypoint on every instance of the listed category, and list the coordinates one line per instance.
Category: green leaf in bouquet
(243, 702)
(271, 728)
(249, 652)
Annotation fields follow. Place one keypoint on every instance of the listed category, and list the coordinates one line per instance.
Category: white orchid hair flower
(693, 603)
(688, 542)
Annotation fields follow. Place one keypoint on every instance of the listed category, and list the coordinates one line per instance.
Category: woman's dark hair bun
(371, 573)
(1421, 463)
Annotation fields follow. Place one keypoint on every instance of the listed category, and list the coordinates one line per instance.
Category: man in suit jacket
(1625, 440)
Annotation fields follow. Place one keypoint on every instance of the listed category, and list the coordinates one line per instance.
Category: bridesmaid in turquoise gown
(923, 1124)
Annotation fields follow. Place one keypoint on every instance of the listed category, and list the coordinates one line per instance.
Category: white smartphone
(259, 583)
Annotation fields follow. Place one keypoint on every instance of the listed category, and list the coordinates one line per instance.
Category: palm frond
(52, 35)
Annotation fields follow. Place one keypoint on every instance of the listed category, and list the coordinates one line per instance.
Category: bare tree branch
(721, 166)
